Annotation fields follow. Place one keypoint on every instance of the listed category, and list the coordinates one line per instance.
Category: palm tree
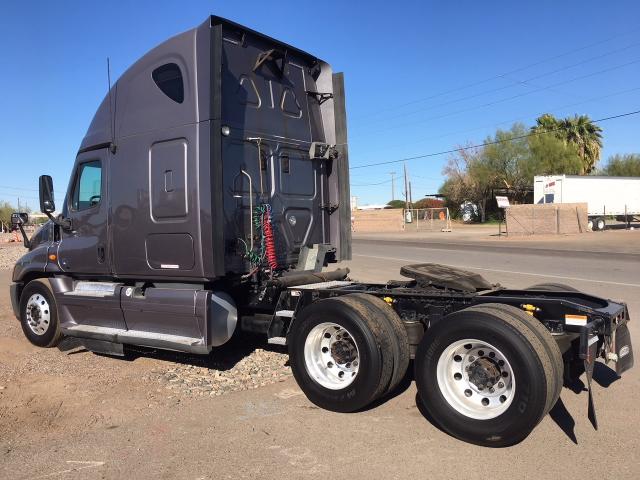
(546, 123)
(579, 131)
(586, 136)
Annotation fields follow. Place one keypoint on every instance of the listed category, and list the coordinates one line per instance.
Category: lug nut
(472, 358)
(485, 401)
(505, 374)
(457, 376)
(491, 390)
(468, 392)
(501, 385)
(457, 358)
(330, 364)
(501, 362)
(480, 353)
(503, 399)
(468, 346)
(491, 354)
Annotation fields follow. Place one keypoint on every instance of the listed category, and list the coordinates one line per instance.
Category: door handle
(101, 254)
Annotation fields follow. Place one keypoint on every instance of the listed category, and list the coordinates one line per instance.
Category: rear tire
(547, 340)
(397, 334)
(337, 335)
(496, 349)
(39, 314)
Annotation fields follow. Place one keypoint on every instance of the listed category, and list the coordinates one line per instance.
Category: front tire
(484, 377)
(39, 314)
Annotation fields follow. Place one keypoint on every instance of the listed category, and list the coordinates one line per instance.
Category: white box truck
(605, 196)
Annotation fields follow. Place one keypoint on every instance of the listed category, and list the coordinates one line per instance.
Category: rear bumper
(606, 335)
(14, 294)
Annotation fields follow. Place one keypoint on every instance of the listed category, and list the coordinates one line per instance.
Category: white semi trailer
(605, 196)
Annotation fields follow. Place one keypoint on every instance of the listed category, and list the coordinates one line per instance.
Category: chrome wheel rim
(331, 356)
(476, 379)
(38, 314)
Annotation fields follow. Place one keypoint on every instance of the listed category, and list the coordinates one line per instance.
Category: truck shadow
(603, 376)
(221, 358)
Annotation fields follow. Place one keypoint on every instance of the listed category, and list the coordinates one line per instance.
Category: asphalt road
(274, 432)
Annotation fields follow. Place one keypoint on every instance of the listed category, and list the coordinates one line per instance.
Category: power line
(369, 184)
(6, 187)
(16, 195)
(521, 118)
(505, 87)
(501, 75)
(502, 100)
(485, 144)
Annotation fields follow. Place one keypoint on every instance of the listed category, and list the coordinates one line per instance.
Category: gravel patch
(10, 253)
(232, 368)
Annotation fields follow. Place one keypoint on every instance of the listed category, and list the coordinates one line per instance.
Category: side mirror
(47, 203)
(19, 218)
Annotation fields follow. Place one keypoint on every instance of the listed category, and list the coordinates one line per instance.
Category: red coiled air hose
(270, 247)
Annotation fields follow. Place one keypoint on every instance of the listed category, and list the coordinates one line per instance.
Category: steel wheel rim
(38, 314)
(331, 356)
(476, 379)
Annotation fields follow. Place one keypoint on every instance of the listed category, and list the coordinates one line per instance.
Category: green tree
(622, 166)
(546, 123)
(506, 158)
(509, 160)
(6, 209)
(396, 204)
(469, 178)
(550, 156)
(587, 137)
(579, 131)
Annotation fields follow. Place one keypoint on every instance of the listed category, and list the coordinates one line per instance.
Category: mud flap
(624, 350)
(589, 363)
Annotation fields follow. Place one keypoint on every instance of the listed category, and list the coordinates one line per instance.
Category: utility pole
(393, 185)
(406, 189)
(410, 195)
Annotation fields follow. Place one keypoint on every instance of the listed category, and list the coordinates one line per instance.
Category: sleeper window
(87, 190)
(168, 78)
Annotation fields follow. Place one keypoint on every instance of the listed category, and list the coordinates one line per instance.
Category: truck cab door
(84, 249)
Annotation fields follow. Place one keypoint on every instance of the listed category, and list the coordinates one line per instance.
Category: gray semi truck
(209, 194)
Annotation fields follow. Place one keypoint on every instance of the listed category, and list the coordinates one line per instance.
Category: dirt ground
(69, 414)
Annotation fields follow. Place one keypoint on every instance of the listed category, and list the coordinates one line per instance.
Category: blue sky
(421, 76)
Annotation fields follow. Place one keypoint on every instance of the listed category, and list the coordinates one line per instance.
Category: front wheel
(484, 377)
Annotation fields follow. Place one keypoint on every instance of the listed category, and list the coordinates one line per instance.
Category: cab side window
(87, 190)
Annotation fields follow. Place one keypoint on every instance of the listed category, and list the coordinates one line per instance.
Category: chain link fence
(432, 219)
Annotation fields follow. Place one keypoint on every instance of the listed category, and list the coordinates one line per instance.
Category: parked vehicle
(212, 201)
(605, 196)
